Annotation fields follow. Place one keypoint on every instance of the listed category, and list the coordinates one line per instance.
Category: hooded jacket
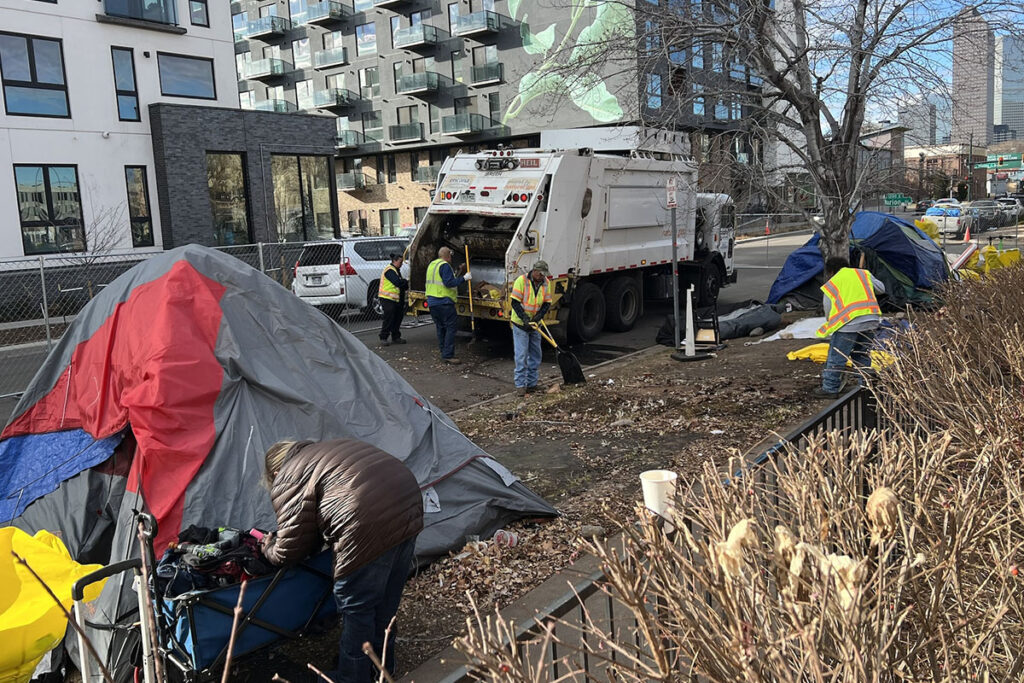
(359, 499)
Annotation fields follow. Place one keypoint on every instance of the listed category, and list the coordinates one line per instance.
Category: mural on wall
(555, 74)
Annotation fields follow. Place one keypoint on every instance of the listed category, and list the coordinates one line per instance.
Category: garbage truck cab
(600, 221)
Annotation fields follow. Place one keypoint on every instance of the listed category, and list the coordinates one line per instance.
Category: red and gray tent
(170, 385)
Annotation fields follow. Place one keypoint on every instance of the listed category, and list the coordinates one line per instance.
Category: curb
(760, 238)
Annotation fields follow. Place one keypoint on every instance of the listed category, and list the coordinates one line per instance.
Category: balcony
(388, 3)
(278, 106)
(480, 22)
(353, 139)
(327, 12)
(266, 69)
(424, 82)
(427, 174)
(466, 124)
(157, 14)
(486, 74)
(416, 36)
(326, 59)
(267, 27)
(406, 132)
(333, 98)
(353, 180)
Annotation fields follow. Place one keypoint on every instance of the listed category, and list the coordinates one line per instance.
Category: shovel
(572, 371)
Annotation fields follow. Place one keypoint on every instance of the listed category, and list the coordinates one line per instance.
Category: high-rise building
(919, 118)
(121, 132)
(1008, 91)
(408, 82)
(973, 79)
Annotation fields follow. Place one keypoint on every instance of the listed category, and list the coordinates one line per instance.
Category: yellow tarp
(928, 227)
(994, 259)
(819, 352)
(31, 623)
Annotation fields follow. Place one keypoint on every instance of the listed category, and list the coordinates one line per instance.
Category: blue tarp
(35, 464)
(893, 240)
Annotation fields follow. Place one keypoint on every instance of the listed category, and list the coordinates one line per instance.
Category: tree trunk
(835, 233)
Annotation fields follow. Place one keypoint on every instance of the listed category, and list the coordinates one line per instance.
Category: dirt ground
(582, 448)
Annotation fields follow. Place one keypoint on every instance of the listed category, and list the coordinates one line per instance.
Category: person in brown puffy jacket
(367, 505)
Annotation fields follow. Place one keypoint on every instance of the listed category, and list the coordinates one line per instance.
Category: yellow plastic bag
(818, 353)
(31, 623)
(928, 227)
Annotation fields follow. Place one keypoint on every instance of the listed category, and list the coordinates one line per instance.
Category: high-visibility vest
(850, 295)
(435, 285)
(523, 292)
(387, 289)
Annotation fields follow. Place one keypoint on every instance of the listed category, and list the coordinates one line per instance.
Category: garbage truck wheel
(586, 317)
(622, 304)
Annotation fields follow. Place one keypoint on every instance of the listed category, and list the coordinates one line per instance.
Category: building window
(735, 110)
(298, 10)
(698, 56)
(300, 54)
(373, 123)
(302, 197)
(410, 114)
(138, 206)
(50, 208)
(333, 40)
(389, 222)
(494, 106)
(32, 72)
(677, 55)
(463, 105)
(457, 66)
(435, 118)
(229, 198)
(304, 94)
(247, 99)
(396, 23)
(652, 37)
(199, 13)
(366, 39)
(363, 5)
(717, 60)
(369, 83)
(124, 84)
(698, 100)
(419, 213)
(242, 61)
(453, 18)
(182, 76)
(239, 24)
(396, 71)
(268, 10)
(417, 18)
(721, 110)
(386, 170)
(653, 91)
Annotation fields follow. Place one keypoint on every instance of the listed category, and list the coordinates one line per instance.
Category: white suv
(344, 272)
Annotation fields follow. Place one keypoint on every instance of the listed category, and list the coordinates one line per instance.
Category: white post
(690, 350)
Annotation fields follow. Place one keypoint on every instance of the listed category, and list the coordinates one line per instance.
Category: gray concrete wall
(182, 135)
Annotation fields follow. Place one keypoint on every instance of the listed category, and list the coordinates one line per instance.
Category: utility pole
(970, 165)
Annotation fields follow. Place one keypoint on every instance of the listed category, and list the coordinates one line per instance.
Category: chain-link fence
(42, 295)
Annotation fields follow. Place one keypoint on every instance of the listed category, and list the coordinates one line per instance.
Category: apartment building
(409, 82)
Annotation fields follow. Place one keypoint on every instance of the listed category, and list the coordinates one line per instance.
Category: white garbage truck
(600, 221)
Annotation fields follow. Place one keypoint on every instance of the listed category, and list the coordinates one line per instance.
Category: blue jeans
(446, 322)
(527, 354)
(854, 346)
(367, 600)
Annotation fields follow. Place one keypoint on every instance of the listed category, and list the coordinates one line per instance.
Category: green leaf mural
(590, 94)
(532, 86)
(613, 22)
(513, 8)
(536, 43)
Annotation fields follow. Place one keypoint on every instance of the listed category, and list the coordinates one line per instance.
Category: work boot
(452, 361)
(821, 393)
(521, 391)
(531, 389)
(399, 341)
(385, 342)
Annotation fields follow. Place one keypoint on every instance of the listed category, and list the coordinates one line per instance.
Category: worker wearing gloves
(442, 293)
(366, 504)
(391, 293)
(852, 316)
(530, 301)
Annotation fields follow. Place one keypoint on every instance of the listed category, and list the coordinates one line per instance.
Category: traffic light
(999, 162)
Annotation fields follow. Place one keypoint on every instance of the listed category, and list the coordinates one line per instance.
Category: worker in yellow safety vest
(391, 293)
(852, 316)
(442, 293)
(530, 300)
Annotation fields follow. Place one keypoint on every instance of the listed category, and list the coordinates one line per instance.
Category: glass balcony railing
(353, 180)
(267, 26)
(411, 36)
(465, 124)
(483, 21)
(424, 81)
(333, 97)
(388, 3)
(427, 174)
(270, 67)
(487, 73)
(279, 106)
(325, 59)
(406, 132)
(351, 139)
(157, 11)
(326, 12)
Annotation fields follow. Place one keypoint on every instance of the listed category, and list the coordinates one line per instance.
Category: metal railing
(423, 81)
(465, 124)
(426, 174)
(586, 603)
(334, 97)
(277, 106)
(157, 11)
(318, 12)
(487, 73)
(420, 34)
(406, 132)
(266, 26)
(484, 21)
(353, 139)
(353, 180)
(335, 56)
(266, 68)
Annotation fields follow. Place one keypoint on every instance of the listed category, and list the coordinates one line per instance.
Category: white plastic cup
(659, 486)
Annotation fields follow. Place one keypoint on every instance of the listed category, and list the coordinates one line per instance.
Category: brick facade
(405, 194)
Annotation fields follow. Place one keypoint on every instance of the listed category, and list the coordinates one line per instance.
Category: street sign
(897, 199)
(670, 193)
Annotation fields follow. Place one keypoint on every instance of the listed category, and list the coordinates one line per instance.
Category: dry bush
(868, 557)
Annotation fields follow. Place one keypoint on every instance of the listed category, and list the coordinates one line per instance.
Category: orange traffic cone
(967, 233)
(767, 230)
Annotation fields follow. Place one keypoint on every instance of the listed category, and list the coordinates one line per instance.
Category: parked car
(949, 220)
(344, 272)
(947, 201)
(922, 206)
(990, 213)
(1013, 210)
